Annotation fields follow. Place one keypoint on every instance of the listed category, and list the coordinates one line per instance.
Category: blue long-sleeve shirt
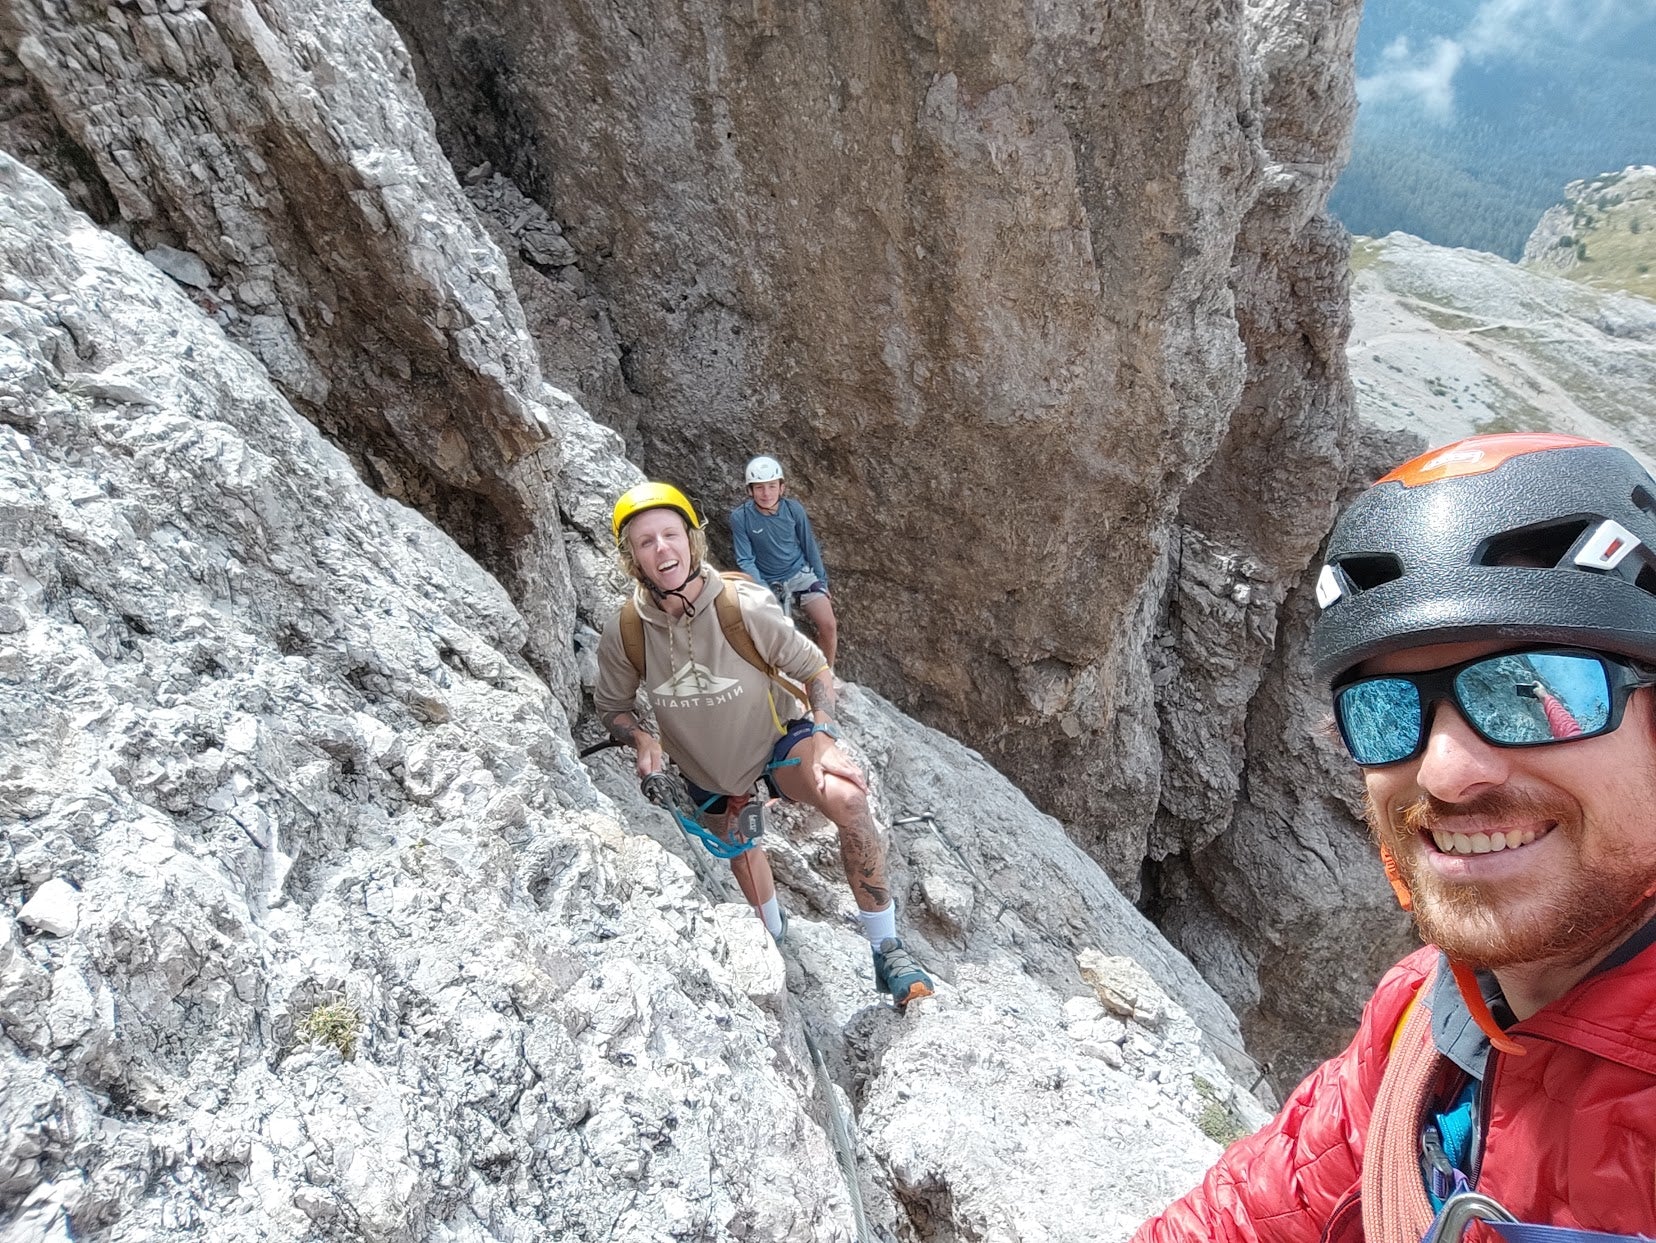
(773, 547)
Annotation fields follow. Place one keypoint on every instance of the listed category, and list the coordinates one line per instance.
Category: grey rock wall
(314, 925)
(284, 149)
(1038, 305)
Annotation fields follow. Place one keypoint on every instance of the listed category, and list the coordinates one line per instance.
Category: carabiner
(1460, 1211)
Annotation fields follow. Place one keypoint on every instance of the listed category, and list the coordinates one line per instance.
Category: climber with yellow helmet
(740, 698)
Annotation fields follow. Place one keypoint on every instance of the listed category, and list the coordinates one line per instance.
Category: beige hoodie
(718, 715)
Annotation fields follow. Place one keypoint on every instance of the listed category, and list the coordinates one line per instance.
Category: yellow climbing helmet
(635, 500)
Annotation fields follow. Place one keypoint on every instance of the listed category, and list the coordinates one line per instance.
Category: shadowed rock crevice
(29, 131)
(993, 290)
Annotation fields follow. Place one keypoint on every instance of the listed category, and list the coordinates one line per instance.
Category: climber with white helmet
(729, 678)
(774, 544)
(1488, 636)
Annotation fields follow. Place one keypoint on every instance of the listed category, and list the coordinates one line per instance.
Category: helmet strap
(658, 594)
(1400, 887)
(1466, 982)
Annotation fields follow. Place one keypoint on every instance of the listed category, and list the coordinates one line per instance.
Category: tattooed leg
(845, 803)
(864, 857)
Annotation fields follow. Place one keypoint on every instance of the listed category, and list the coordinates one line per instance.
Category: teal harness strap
(716, 846)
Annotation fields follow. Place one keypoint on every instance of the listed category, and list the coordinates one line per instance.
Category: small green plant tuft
(336, 1023)
(1216, 1121)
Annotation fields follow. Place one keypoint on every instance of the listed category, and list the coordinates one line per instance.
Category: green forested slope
(1539, 97)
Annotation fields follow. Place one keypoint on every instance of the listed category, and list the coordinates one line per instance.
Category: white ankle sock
(771, 913)
(878, 925)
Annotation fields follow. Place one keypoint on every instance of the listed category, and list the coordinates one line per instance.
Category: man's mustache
(1429, 812)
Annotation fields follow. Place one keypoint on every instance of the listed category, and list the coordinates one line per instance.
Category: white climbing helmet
(764, 470)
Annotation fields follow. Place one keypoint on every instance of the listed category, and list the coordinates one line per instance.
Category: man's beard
(1571, 917)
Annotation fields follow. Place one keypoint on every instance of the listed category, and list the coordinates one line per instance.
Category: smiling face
(1520, 855)
(659, 540)
(766, 495)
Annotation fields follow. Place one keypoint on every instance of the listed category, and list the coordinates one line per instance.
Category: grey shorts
(803, 584)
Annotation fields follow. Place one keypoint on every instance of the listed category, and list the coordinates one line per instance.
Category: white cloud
(1504, 27)
(1500, 29)
(1425, 77)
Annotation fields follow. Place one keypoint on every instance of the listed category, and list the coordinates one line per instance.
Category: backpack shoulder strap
(632, 635)
(736, 634)
(734, 624)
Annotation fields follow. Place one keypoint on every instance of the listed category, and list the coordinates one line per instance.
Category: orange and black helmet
(1531, 537)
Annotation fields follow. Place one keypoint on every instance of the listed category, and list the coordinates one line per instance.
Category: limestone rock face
(1447, 342)
(281, 151)
(329, 933)
(1037, 305)
(1288, 913)
(1603, 234)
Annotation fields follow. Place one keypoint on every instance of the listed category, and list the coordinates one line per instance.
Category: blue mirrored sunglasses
(1511, 699)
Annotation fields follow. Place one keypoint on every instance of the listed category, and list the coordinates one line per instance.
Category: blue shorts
(799, 729)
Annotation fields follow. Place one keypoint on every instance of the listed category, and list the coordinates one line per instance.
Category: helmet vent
(1644, 500)
(1370, 570)
(1540, 547)
(1646, 581)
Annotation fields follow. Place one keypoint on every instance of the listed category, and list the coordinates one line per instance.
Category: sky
(1422, 70)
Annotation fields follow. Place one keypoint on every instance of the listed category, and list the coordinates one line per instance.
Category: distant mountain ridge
(1603, 234)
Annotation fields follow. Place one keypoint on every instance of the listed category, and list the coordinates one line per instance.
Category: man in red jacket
(1488, 629)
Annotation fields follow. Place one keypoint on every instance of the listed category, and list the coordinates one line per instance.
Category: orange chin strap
(1400, 887)
(1465, 979)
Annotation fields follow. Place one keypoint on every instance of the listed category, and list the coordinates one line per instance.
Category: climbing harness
(1461, 1210)
(667, 792)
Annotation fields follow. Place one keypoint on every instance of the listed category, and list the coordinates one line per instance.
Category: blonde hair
(629, 563)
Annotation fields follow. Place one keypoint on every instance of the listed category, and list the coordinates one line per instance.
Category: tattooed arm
(625, 728)
(820, 690)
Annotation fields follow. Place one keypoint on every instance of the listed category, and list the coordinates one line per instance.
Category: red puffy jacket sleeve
(1284, 1183)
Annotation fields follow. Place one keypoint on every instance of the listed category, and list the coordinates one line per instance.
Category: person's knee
(847, 802)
